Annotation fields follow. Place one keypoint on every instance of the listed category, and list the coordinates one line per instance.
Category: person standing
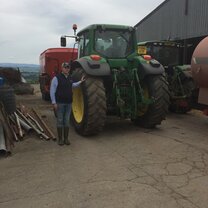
(61, 98)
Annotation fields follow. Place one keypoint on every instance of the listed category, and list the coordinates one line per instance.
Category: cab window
(84, 49)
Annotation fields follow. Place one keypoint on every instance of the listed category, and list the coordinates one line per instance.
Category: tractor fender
(93, 68)
(152, 67)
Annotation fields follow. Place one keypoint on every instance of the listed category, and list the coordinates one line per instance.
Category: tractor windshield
(114, 43)
(166, 55)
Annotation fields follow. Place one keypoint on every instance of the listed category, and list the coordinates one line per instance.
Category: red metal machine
(50, 64)
(199, 67)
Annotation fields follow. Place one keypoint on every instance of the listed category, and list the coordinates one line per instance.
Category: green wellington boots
(60, 136)
(66, 133)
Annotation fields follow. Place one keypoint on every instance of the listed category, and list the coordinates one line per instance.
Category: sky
(28, 27)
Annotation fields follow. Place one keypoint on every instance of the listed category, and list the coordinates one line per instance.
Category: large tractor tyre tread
(97, 108)
(94, 105)
(7, 97)
(156, 113)
(189, 87)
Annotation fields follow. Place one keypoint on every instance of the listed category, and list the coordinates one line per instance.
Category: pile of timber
(14, 126)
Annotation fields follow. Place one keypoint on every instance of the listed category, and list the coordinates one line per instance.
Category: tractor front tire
(89, 104)
(156, 112)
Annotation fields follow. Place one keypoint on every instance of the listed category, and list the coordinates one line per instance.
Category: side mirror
(63, 41)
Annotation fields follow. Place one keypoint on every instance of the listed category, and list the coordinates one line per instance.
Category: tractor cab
(181, 85)
(168, 53)
(113, 43)
(108, 41)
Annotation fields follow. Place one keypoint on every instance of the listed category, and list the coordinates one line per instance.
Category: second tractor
(179, 77)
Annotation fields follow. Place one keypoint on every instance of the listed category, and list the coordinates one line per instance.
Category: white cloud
(29, 27)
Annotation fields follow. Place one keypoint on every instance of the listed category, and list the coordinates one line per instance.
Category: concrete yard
(123, 167)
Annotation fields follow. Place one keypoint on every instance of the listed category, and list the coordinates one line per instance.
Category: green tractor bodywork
(118, 81)
(181, 84)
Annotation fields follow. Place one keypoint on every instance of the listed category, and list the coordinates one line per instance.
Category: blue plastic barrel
(1, 81)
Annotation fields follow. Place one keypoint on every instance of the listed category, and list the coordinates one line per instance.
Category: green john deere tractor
(181, 84)
(119, 81)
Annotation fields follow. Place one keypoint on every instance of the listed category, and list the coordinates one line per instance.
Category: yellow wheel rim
(143, 109)
(78, 104)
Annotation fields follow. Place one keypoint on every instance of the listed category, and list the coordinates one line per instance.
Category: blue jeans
(63, 114)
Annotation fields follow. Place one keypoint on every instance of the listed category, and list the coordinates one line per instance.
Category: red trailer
(50, 64)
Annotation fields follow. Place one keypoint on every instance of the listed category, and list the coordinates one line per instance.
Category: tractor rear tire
(157, 111)
(89, 105)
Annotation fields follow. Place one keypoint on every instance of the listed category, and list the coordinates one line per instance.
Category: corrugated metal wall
(173, 20)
